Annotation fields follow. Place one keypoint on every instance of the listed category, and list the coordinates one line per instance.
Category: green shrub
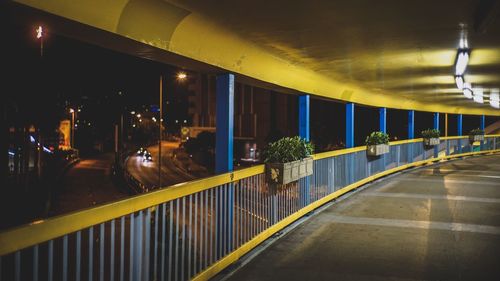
(288, 150)
(377, 138)
(431, 133)
(475, 132)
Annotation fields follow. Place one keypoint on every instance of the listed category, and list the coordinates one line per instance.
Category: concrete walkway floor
(437, 222)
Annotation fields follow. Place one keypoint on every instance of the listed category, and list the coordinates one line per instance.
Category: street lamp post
(72, 111)
(160, 131)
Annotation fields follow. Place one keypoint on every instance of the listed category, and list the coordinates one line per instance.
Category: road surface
(86, 184)
(147, 172)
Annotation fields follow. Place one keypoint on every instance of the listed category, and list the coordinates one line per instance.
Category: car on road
(147, 157)
(141, 151)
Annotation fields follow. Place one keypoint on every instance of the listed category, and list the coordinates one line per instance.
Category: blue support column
(436, 126)
(459, 132)
(224, 159)
(436, 120)
(304, 116)
(349, 125)
(411, 124)
(304, 102)
(382, 112)
(459, 124)
(481, 126)
(225, 122)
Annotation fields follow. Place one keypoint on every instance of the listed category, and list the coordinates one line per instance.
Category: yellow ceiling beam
(163, 25)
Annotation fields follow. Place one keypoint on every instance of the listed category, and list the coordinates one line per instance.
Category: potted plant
(288, 160)
(431, 137)
(476, 135)
(377, 143)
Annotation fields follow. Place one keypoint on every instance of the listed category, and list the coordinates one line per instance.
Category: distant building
(259, 113)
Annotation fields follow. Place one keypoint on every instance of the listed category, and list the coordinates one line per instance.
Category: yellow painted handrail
(23, 236)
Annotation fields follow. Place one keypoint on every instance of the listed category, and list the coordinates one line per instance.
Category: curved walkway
(437, 222)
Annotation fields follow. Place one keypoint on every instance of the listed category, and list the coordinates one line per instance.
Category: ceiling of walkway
(390, 53)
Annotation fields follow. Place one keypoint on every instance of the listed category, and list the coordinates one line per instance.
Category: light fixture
(460, 82)
(478, 95)
(495, 98)
(467, 88)
(181, 75)
(39, 32)
(461, 61)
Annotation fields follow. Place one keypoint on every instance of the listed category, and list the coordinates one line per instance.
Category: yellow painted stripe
(247, 247)
(333, 153)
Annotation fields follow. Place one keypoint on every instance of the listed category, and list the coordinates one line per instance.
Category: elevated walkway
(438, 222)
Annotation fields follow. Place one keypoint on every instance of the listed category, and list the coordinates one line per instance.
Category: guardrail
(194, 230)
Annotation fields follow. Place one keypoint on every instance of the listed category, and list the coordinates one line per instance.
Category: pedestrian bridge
(413, 225)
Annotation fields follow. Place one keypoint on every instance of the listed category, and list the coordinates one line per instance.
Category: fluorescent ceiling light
(478, 95)
(461, 63)
(495, 98)
(463, 43)
(460, 82)
(467, 90)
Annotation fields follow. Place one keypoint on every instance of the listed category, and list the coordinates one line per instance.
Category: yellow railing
(43, 230)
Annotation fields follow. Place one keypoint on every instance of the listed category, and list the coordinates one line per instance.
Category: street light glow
(181, 75)
(71, 110)
(39, 32)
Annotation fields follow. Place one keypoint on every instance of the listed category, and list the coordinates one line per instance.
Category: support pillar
(224, 160)
(411, 124)
(411, 134)
(459, 124)
(436, 120)
(481, 126)
(225, 122)
(304, 102)
(436, 126)
(459, 132)
(349, 125)
(304, 110)
(382, 119)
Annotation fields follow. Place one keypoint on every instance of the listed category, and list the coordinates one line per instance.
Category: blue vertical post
(436, 126)
(382, 112)
(459, 124)
(411, 134)
(411, 124)
(459, 132)
(224, 156)
(481, 126)
(436, 120)
(225, 122)
(304, 116)
(304, 101)
(349, 125)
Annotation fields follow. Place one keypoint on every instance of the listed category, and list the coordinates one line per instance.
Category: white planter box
(474, 138)
(306, 167)
(283, 173)
(376, 150)
(431, 141)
